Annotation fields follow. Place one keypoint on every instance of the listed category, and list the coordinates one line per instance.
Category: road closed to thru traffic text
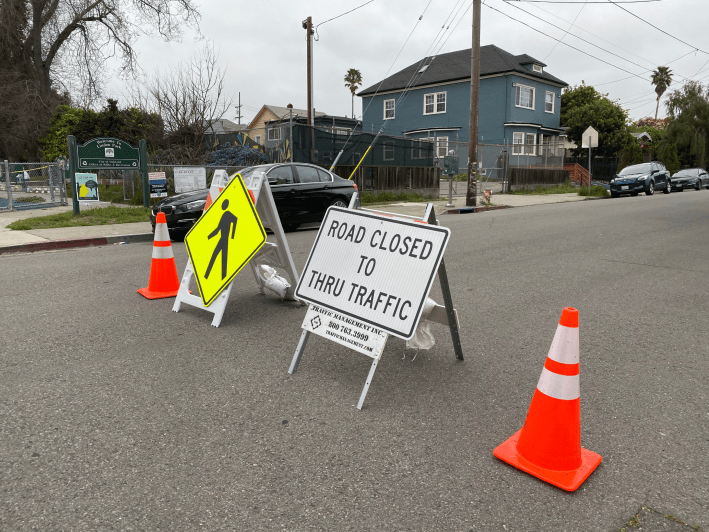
(373, 268)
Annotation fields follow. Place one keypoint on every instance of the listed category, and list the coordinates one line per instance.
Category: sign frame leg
(299, 351)
(367, 383)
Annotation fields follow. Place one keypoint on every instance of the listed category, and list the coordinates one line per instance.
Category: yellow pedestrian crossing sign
(224, 239)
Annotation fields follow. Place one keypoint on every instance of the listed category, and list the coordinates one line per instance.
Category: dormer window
(423, 69)
(537, 68)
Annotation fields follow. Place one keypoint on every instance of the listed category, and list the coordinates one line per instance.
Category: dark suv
(645, 177)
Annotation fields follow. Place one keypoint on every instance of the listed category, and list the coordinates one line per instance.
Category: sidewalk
(66, 237)
(101, 235)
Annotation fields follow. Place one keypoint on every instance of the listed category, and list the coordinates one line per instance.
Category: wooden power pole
(308, 26)
(472, 192)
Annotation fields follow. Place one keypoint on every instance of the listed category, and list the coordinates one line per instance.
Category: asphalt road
(117, 414)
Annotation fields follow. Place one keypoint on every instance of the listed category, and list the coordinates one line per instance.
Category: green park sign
(107, 154)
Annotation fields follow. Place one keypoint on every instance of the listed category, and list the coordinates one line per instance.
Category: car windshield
(684, 173)
(636, 169)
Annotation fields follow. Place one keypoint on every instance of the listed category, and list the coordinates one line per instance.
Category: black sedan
(637, 178)
(696, 178)
(302, 193)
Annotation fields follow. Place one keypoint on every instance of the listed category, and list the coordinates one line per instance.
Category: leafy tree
(130, 125)
(584, 106)
(669, 157)
(688, 129)
(662, 79)
(632, 154)
(353, 80)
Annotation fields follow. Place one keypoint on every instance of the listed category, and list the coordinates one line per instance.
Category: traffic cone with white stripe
(163, 272)
(548, 446)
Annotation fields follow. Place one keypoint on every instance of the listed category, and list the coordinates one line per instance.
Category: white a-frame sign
(368, 275)
(272, 254)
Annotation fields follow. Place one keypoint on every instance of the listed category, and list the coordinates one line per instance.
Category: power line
(343, 14)
(658, 29)
(567, 31)
(565, 44)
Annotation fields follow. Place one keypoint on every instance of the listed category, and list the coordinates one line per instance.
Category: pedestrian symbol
(224, 239)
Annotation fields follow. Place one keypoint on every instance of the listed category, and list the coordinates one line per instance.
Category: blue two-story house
(519, 104)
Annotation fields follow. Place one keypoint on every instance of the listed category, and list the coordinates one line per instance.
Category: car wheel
(615, 195)
(289, 228)
(668, 188)
(697, 186)
(634, 193)
(338, 203)
(651, 189)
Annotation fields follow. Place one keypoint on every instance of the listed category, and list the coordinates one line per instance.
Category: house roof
(223, 126)
(456, 66)
(643, 135)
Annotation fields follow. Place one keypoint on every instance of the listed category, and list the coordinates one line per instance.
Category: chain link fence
(32, 185)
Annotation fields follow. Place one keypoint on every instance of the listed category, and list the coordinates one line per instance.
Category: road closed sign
(375, 269)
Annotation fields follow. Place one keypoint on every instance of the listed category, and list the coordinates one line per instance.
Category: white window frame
(392, 110)
(390, 146)
(553, 98)
(518, 96)
(274, 133)
(257, 138)
(439, 98)
(441, 142)
(537, 68)
(533, 145)
(517, 143)
(342, 130)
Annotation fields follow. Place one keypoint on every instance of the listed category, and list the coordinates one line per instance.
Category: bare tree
(73, 39)
(190, 97)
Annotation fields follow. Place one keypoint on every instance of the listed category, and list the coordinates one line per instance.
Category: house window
(274, 133)
(549, 102)
(258, 139)
(389, 151)
(524, 97)
(441, 147)
(434, 103)
(342, 131)
(389, 109)
(537, 68)
(531, 145)
(517, 143)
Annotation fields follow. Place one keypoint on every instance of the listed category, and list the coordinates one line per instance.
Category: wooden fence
(398, 179)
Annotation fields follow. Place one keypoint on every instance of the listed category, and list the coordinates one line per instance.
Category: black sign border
(356, 212)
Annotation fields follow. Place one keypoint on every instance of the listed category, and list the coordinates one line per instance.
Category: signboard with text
(158, 184)
(374, 269)
(86, 187)
(189, 178)
(108, 153)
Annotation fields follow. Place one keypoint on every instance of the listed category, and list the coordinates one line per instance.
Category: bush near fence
(528, 178)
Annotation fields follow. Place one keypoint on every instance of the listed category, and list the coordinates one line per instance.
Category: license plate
(624, 188)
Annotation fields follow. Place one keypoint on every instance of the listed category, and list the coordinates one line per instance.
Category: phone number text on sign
(374, 269)
(346, 331)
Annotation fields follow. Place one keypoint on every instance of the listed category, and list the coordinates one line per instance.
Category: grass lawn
(98, 216)
(566, 188)
(389, 197)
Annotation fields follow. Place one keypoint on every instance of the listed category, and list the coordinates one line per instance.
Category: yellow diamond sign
(224, 239)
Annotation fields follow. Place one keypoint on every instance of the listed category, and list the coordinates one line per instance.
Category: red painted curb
(55, 244)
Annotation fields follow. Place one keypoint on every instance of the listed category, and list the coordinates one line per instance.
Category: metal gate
(32, 186)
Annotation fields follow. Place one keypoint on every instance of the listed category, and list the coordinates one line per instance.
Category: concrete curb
(471, 210)
(51, 245)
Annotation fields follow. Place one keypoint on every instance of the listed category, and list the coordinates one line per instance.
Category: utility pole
(308, 26)
(471, 194)
(238, 109)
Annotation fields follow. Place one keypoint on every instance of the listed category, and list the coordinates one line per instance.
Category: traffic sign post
(257, 193)
(353, 280)
(589, 140)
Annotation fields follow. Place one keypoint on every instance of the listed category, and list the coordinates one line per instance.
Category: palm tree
(661, 78)
(353, 79)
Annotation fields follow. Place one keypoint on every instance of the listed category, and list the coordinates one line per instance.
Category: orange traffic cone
(163, 273)
(548, 446)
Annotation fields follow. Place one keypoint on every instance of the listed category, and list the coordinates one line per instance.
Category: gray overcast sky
(263, 45)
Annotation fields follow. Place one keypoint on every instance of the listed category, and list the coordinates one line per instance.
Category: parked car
(644, 177)
(696, 178)
(302, 193)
